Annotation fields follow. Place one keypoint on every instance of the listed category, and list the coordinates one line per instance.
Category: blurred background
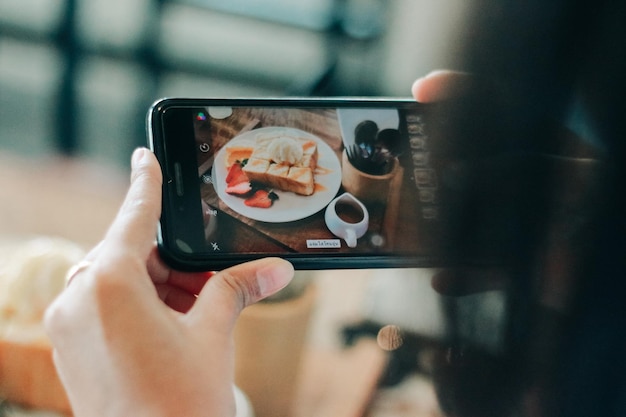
(76, 80)
(77, 76)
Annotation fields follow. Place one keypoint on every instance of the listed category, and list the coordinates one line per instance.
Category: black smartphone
(324, 183)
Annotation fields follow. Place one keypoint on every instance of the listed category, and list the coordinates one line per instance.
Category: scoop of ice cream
(285, 150)
(31, 277)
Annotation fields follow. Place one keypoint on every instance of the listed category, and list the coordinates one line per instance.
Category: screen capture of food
(311, 179)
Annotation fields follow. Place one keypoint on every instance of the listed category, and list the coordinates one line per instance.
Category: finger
(80, 266)
(230, 291)
(175, 298)
(441, 85)
(157, 269)
(160, 274)
(193, 283)
(93, 253)
(134, 227)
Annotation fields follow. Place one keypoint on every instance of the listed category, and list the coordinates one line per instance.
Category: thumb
(441, 85)
(228, 292)
(135, 225)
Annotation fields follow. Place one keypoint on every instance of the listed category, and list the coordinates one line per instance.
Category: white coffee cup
(346, 217)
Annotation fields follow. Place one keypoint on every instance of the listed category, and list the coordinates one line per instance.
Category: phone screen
(325, 183)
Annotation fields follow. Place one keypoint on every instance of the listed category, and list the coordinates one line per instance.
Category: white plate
(289, 206)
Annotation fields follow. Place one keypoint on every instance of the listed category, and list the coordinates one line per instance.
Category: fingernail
(138, 156)
(415, 87)
(273, 278)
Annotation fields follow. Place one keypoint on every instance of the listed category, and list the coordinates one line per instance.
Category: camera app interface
(311, 180)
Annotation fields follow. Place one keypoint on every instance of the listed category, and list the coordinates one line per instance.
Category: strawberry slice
(240, 189)
(261, 199)
(236, 175)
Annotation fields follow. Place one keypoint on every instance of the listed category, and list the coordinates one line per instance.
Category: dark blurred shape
(104, 63)
(544, 205)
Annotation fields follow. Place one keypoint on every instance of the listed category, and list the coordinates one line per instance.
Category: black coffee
(349, 213)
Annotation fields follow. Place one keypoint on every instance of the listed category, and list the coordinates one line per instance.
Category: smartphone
(324, 183)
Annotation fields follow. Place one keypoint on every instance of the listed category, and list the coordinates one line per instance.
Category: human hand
(130, 337)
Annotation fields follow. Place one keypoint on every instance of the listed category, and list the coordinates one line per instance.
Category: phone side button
(178, 179)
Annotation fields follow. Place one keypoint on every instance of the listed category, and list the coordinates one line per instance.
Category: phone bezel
(199, 262)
